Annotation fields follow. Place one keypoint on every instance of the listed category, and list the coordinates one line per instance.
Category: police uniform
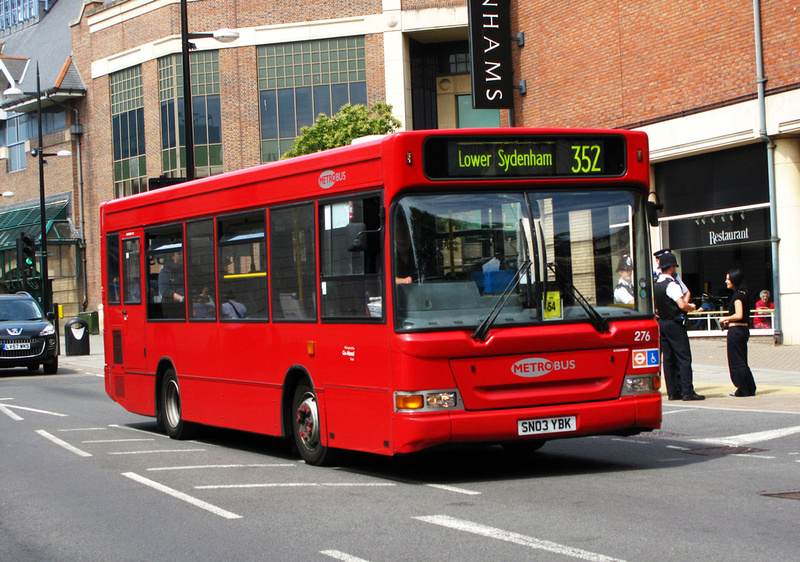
(675, 350)
(623, 292)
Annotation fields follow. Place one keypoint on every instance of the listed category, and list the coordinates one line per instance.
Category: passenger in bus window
(203, 305)
(623, 292)
(170, 280)
(231, 308)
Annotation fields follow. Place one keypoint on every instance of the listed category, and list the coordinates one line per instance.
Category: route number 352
(586, 159)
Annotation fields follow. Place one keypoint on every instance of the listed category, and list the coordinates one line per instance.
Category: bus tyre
(169, 411)
(306, 427)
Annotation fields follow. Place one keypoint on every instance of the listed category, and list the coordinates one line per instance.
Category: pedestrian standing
(738, 324)
(675, 350)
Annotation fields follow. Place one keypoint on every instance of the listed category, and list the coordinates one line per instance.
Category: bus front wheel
(306, 429)
(169, 411)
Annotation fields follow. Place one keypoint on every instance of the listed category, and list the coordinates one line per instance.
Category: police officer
(623, 292)
(671, 305)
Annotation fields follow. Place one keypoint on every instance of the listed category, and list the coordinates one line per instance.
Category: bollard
(76, 336)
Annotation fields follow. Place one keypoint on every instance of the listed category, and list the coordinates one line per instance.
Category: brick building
(716, 87)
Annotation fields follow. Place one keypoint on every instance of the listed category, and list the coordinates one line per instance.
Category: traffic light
(25, 253)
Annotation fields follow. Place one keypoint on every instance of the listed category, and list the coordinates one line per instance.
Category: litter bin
(76, 336)
(92, 320)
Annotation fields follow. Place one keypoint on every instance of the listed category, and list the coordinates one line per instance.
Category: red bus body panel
(234, 375)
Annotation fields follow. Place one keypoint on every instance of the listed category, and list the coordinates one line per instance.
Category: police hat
(667, 259)
(661, 252)
(625, 264)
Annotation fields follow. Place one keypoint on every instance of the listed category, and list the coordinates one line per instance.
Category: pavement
(776, 370)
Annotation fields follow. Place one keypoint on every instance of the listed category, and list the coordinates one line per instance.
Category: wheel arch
(294, 376)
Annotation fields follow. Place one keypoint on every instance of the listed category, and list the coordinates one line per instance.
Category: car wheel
(306, 429)
(169, 411)
(51, 367)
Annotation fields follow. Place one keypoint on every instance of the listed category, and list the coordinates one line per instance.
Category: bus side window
(350, 242)
(112, 269)
(243, 267)
(131, 271)
(293, 263)
(200, 278)
(166, 293)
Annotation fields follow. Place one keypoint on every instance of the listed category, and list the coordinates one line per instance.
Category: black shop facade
(716, 218)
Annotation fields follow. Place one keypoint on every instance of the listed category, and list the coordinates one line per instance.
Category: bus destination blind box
(557, 157)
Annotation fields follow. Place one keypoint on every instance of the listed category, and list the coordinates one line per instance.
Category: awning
(25, 218)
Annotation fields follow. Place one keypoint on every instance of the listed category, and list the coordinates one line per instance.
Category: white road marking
(62, 443)
(516, 538)
(454, 489)
(6, 409)
(750, 438)
(341, 556)
(116, 440)
(84, 429)
(221, 466)
(181, 496)
(9, 413)
(293, 485)
(156, 451)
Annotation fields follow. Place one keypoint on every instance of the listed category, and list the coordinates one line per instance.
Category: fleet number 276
(586, 158)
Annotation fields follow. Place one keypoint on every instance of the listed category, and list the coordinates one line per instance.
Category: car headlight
(48, 331)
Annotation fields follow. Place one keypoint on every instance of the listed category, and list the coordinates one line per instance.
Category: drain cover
(719, 451)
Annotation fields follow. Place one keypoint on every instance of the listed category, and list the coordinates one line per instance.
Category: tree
(351, 122)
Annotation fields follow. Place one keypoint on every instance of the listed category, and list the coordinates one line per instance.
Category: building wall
(607, 64)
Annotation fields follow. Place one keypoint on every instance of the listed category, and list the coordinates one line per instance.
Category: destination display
(481, 158)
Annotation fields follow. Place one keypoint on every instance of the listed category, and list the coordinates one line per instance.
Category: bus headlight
(640, 384)
(426, 401)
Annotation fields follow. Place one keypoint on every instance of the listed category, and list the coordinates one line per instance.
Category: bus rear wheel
(306, 429)
(169, 411)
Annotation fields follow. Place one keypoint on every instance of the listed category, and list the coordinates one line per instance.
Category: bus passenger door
(128, 320)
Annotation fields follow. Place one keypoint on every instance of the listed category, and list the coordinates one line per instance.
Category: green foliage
(351, 122)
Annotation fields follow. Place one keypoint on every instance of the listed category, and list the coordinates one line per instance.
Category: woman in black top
(737, 322)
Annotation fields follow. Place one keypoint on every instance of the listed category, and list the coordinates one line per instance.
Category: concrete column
(787, 187)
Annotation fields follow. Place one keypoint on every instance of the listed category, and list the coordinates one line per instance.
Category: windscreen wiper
(598, 322)
(480, 332)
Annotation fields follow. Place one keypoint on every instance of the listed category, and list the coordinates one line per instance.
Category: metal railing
(705, 323)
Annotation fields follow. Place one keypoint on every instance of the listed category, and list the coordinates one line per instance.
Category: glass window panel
(358, 93)
(286, 117)
(339, 96)
(322, 100)
(131, 271)
(293, 264)
(200, 122)
(305, 107)
(112, 269)
(214, 119)
(242, 267)
(165, 274)
(200, 280)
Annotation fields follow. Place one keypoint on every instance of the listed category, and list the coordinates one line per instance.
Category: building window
(207, 112)
(298, 81)
(127, 122)
(16, 135)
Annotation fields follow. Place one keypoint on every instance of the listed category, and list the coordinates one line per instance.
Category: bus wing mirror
(359, 239)
(653, 209)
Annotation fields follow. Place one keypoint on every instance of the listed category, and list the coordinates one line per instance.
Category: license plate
(16, 346)
(547, 425)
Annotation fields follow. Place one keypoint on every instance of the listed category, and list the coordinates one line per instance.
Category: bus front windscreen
(520, 259)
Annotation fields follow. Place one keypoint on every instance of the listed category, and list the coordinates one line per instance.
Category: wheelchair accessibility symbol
(643, 358)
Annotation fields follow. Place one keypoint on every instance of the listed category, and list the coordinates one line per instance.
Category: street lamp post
(222, 35)
(40, 155)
